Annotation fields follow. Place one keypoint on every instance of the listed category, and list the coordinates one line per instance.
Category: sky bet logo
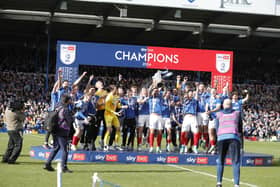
(131, 158)
(111, 158)
(79, 156)
(172, 159)
(100, 157)
(224, 3)
(142, 159)
(191, 1)
(202, 160)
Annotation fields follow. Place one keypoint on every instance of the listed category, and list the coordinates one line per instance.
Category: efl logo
(259, 161)
(172, 159)
(142, 159)
(79, 156)
(32, 153)
(47, 154)
(111, 158)
(202, 160)
(71, 48)
(228, 161)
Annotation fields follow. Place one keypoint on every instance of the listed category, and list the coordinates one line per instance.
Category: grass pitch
(29, 172)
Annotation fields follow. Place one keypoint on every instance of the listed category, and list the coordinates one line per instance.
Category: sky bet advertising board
(72, 54)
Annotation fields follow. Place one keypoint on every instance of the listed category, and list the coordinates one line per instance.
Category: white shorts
(167, 123)
(202, 118)
(190, 124)
(156, 122)
(212, 124)
(78, 124)
(143, 120)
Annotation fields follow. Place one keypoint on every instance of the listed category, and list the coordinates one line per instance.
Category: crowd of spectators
(29, 87)
(261, 113)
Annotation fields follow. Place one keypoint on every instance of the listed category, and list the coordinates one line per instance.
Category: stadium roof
(26, 22)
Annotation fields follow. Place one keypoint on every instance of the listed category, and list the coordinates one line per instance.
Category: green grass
(29, 172)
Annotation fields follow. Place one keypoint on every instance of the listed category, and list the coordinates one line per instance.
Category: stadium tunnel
(254, 38)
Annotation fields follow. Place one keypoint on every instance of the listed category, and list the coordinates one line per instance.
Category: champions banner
(72, 54)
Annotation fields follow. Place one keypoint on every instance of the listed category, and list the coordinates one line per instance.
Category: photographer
(14, 118)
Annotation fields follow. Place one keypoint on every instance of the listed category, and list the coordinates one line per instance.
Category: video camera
(15, 105)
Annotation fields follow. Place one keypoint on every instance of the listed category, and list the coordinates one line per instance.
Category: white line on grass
(209, 175)
(35, 136)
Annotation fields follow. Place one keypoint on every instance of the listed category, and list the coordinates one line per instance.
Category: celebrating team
(184, 113)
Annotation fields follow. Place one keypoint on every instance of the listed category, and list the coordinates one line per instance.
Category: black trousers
(60, 143)
(14, 146)
(129, 125)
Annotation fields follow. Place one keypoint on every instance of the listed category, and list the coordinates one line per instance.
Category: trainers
(168, 148)
(73, 147)
(236, 185)
(48, 168)
(182, 149)
(106, 148)
(186, 150)
(219, 185)
(151, 149)
(212, 148)
(86, 147)
(46, 146)
(139, 148)
(118, 148)
(158, 150)
(194, 149)
(66, 170)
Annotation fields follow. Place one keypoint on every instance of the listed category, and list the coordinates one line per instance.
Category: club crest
(67, 53)
(222, 63)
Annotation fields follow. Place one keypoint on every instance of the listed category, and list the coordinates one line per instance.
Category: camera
(15, 105)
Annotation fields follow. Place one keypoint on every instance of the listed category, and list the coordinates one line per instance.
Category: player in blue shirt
(190, 105)
(156, 122)
(166, 112)
(143, 115)
(129, 123)
(237, 103)
(202, 117)
(213, 105)
(54, 103)
(82, 118)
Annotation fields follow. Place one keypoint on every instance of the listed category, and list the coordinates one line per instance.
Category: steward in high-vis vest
(229, 132)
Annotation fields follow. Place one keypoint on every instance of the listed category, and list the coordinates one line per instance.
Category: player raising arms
(156, 122)
(112, 102)
(202, 117)
(237, 103)
(100, 94)
(213, 105)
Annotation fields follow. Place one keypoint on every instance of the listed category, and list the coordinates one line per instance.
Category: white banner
(278, 7)
(265, 7)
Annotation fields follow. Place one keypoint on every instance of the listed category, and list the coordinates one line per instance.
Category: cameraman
(14, 118)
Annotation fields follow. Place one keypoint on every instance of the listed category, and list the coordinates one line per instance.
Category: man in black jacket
(61, 134)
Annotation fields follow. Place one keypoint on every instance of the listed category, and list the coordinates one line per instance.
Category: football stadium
(132, 93)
